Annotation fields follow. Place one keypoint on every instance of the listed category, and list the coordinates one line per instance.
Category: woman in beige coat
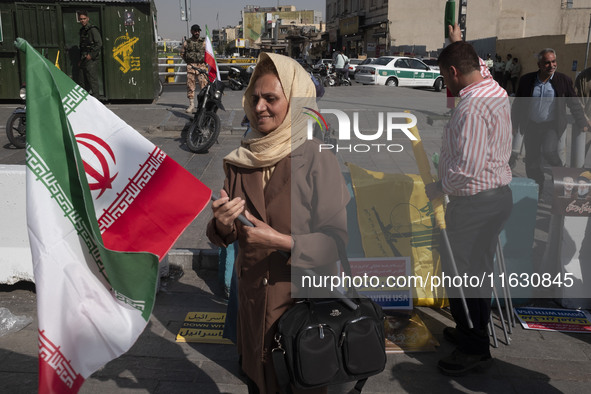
(293, 193)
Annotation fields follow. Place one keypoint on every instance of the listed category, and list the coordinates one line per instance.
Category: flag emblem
(99, 150)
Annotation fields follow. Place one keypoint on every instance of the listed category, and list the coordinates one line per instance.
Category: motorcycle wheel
(331, 81)
(200, 139)
(235, 85)
(16, 130)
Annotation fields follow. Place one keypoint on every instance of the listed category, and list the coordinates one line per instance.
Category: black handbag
(320, 342)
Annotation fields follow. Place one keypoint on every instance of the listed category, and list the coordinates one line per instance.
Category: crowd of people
(506, 73)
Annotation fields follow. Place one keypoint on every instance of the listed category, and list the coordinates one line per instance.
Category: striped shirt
(477, 141)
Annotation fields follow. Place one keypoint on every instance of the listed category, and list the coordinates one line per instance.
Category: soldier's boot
(191, 107)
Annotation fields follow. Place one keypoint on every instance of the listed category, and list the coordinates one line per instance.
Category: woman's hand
(225, 211)
(264, 236)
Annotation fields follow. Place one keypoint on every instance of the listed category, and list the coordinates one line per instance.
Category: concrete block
(15, 255)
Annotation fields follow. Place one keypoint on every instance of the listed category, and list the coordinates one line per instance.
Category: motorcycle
(16, 127)
(204, 130)
(238, 78)
(341, 80)
(321, 73)
(337, 77)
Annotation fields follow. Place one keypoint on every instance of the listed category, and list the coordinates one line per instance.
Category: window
(402, 63)
(382, 61)
(417, 64)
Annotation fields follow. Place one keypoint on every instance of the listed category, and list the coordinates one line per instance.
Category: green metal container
(128, 67)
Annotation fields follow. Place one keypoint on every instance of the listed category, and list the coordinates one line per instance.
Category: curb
(193, 259)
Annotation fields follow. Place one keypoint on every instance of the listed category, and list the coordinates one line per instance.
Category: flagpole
(425, 172)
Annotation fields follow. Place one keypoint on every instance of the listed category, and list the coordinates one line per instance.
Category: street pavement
(534, 361)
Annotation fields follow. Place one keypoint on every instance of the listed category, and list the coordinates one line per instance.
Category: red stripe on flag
(213, 72)
(155, 219)
(56, 374)
(50, 382)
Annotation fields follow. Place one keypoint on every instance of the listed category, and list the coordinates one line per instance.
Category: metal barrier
(173, 68)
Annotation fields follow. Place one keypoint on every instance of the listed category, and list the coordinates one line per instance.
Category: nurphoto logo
(389, 124)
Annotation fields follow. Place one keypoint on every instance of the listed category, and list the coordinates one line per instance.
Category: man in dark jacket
(90, 51)
(542, 118)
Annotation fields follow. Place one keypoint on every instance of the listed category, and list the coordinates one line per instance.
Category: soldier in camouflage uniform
(193, 53)
(90, 51)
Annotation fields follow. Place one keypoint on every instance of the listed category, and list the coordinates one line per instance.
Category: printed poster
(396, 219)
(377, 279)
(205, 327)
(554, 319)
(572, 191)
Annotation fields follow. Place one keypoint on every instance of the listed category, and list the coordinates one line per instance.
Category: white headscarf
(260, 150)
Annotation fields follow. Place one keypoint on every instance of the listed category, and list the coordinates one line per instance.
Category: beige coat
(305, 205)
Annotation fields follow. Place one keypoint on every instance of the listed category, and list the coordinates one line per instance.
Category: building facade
(268, 28)
(378, 27)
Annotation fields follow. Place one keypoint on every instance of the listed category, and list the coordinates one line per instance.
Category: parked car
(322, 62)
(353, 63)
(399, 71)
(431, 62)
(367, 60)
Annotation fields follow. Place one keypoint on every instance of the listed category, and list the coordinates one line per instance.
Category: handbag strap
(281, 371)
(342, 250)
(358, 386)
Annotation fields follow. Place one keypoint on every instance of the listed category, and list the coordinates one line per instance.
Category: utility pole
(185, 6)
(462, 11)
(587, 51)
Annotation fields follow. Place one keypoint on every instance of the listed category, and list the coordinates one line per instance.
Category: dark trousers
(540, 140)
(514, 84)
(89, 76)
(344, 71)
(506, 79)
(473, 226)
(498, 75)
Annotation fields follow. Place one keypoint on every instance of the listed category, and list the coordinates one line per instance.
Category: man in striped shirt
(474, 173)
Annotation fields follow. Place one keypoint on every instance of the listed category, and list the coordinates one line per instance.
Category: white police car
(399, 71)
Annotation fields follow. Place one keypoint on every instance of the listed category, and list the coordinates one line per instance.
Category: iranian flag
(214, 73)
(104, 205)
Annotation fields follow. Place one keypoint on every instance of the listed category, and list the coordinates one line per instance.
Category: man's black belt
(482, 194)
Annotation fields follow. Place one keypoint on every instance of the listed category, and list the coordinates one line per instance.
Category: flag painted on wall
(103, 206)
(214, 72)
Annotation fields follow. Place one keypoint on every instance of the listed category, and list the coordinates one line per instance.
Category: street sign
(185, 6)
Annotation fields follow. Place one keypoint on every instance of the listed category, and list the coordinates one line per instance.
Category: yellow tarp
(406, 334)
(396, 219)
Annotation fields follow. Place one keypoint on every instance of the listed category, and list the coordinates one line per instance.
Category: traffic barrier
(15, 254)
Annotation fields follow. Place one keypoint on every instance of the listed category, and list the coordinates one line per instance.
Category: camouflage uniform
(193, 53)
(90, 44)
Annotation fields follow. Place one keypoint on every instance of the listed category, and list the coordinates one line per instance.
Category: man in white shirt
(342, 64)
